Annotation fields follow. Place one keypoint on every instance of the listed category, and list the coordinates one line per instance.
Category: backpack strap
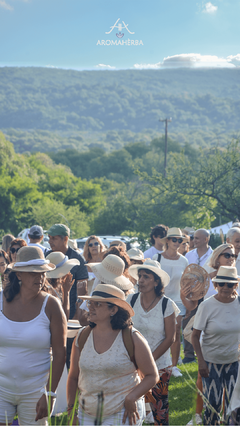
(164, 304)
(128, 342)
(134, 298)
(159, 258)
(83, 337)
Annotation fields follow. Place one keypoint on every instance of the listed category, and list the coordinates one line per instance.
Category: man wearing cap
(58, 240)
(35, 236)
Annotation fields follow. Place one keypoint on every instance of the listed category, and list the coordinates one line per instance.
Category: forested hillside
(50, 109)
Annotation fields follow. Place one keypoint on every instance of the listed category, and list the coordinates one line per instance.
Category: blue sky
(70, 33)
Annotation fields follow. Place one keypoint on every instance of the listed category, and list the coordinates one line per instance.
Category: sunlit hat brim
(63, 270)
(33, 268)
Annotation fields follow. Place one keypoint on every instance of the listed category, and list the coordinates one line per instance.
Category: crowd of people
(98, 334)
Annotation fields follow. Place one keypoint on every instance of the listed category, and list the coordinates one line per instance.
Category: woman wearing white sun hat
(219, 318)
(155, 317)
(174, 264)
(31, 322)
(102, 363)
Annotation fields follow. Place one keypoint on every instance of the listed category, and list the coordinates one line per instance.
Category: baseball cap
(58, 230)
(35, 231)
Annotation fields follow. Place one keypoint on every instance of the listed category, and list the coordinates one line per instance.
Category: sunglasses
(229, 285)
(192, 237)
(13, 250)
(93, 244)
(175, 240)
(227, 255)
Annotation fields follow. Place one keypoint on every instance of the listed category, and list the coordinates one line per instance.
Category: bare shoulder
(53, 307)
(138, 338)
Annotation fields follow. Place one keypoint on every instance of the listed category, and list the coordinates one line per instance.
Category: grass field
(182, 395)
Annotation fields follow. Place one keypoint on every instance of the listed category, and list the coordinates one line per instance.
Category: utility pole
(165, 158)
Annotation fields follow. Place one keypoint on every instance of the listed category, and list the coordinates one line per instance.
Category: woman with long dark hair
(101, 363)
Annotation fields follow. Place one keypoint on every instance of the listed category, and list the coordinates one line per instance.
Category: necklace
(146, 309)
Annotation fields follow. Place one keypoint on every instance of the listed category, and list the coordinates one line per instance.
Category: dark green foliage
(48, 109)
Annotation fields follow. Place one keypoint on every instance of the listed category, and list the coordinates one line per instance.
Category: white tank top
(111, 372)
(24, 352)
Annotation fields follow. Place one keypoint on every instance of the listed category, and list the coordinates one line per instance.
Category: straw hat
(118, 243)
(174, 232)
(226, 275)
(135, 253)
(31, 259)
(110, 270)
(153, 266)
(110, 293)
(62, 263)
(197, 280)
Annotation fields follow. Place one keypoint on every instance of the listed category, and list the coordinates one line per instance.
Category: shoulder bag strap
(83, 337)
(134, 298)
(129, 344)
(159, 257)
(164, 304)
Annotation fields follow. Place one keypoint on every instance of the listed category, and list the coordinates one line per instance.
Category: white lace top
(111, 372)
(151, 326)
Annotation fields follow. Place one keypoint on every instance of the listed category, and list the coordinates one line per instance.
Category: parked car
(130, 242)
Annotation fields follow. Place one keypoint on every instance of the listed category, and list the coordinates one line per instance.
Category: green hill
(51, 109)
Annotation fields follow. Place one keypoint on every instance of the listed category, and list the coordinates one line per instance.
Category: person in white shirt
(219, 318)
(35, 236)
(174, 264)
(202, 250)
(158, 232)
(233, 237)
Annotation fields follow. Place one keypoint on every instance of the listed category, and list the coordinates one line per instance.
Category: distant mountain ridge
(68, 103)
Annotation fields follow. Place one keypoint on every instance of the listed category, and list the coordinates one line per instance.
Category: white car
(130, 242)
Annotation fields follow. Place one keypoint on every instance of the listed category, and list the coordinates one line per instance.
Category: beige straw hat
(226, 275)
(110, 270)
(153, 266)
(174, 232)
(135, 253)
(62, 263)
(31, 259)
(110, 293)
(197, 280)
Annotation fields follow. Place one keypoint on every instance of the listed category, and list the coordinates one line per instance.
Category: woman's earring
(20, 283)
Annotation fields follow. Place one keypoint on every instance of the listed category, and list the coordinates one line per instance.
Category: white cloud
(147, 66)
(210, 8)
(5, 5)
(193, 60)
(105, 67)
(234, 59)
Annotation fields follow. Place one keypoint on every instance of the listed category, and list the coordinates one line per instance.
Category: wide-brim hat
(31, 259)
(226, 275)
(153, 266)
(110, 270)
(111, 266)
(174, 232)
(197, 280)
(135, 253)
(62, 263)
(110, 293)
